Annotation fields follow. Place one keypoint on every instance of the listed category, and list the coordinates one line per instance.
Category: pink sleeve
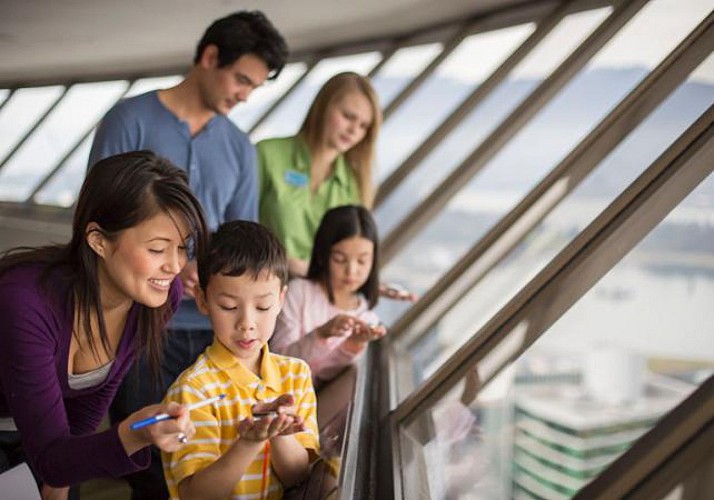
(291, 337)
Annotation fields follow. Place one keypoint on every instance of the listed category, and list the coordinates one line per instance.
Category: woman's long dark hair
(338, 224)
(118, 193)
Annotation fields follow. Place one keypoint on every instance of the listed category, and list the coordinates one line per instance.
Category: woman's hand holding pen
(269, 420)
(168, 435)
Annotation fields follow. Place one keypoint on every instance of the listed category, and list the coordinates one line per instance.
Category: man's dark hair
(245, 32)
(242, 247)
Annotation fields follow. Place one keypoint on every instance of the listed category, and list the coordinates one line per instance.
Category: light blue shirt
(220, 162)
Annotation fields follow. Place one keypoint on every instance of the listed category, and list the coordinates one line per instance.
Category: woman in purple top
(75, 316)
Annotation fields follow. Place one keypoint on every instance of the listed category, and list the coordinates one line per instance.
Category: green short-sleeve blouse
(287, 207)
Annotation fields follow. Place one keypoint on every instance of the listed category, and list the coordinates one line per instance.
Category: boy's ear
(201, 301)
(95, 239)
(282, 295)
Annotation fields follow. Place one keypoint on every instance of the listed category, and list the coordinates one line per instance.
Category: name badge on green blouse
(295, 178)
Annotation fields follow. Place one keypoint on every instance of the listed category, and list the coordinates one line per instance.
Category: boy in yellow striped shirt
(234, 453)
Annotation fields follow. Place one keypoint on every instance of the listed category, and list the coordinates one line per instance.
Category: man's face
(223, 88)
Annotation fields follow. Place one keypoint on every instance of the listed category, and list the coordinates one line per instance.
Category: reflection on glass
(81, 108)
(247, 113)
(21, 112)
(540, 146)
(630, 350)
(576, 211)
(404, 65)
(62, 190)
(156, 83)
(286, 119)
(452, 81)
(454, 149)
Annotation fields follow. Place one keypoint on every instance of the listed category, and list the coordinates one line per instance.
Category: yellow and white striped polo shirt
(216, 372)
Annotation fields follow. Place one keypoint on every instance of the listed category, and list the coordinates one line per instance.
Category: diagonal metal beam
(596, 250)
(36, 125)
(407, 91)
(9, 95)
(477, 96)
(494, 143)
(495, 246)
(665, 455)
(53, 172)
(311, 63)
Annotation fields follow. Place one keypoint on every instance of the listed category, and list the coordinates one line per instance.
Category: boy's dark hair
(240, 247)
(245, 32)
(339, 224)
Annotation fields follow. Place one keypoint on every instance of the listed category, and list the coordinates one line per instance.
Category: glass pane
(64, 186)
(62, 190)
(147, 84)
(535, 68)
(21, 112)
(624, 164)
(287, 118)
(539, 147)
(406, 64)
(81, 108)
(247, 113)
(631, 349)
(452, 81)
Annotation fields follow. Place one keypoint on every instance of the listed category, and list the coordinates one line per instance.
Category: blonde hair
(361, 156)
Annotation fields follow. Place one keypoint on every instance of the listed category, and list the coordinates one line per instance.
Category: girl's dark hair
(242, 247)
(245, 32)
(339, 224)
(119, 192)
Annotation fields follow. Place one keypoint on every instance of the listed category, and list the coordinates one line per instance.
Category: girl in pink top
(328, 317)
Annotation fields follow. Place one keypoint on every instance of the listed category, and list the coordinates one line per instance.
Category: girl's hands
(341, 325)
(362, 334)
(279, 419)
(396, 292)
(168, 435)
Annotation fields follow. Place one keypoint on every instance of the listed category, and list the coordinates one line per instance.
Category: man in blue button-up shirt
(188, 124)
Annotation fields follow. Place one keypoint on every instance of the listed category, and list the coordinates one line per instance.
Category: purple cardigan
(58, 424)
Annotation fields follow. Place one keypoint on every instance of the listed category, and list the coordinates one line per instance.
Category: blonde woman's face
(348, 120)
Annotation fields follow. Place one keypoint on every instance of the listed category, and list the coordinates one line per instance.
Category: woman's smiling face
(142, 261)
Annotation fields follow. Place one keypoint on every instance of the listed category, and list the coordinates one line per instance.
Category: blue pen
(165, 416)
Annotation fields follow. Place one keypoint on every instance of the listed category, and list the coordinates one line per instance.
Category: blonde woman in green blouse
(327, 164)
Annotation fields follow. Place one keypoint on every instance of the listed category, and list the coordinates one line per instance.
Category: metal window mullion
(310, 65)
(597, 248)
(516, 120)
(490, 250)
(387, 55)
(665, 454)
(36, 125)
(49, 176)
(477, 96)
(407, 91)
(9, 95)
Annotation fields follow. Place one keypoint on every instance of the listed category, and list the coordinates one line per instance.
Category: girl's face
(350, 264)
(140, 264)
(348, 119)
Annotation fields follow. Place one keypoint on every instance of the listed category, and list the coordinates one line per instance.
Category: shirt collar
(301, 161)
(226, 361)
